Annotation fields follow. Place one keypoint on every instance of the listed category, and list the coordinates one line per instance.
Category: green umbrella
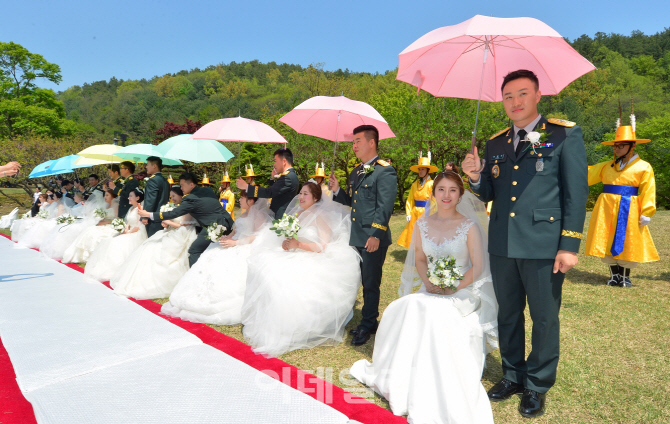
(140, 153)
(185, 148)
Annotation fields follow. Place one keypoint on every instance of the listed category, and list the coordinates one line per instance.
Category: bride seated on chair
(430, 347)
(301, 291)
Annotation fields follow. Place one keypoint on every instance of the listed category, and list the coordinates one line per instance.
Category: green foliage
(24, 107)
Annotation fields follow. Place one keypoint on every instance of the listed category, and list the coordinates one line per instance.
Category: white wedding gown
(212, 291)
(430, 349)
(85, 243)
(154, 268)
(34, 237)
(300, 299)
(111, 253)
(21, 226)
(63, 235)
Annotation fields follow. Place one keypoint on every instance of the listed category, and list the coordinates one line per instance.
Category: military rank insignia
(495, 171)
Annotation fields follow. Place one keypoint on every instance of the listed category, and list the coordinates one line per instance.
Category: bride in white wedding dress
(212, 291)
(61, 237)
(301, 292)
(111, 253)
(37, 233)
(154, 269)
(430, 347)
(86, 242)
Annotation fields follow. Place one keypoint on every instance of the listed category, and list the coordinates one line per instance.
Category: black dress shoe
(532, 404)
(504, 390)
(361, 337)
(355, 331)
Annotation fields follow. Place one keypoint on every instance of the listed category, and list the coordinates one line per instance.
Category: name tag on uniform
(539, 165)
(498, 157)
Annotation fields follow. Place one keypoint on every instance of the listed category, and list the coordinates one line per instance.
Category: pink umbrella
(453, 61)
(333, 118)
(239, 129)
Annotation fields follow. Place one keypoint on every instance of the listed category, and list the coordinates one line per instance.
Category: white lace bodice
(133, 217)
(455, 246)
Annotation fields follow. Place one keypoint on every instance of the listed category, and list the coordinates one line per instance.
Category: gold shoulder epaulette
(285, 172)
(561, 122)
(499, 133)
(383, 162)
(152, 176)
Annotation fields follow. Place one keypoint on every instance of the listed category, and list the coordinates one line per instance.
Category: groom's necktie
(522, 142)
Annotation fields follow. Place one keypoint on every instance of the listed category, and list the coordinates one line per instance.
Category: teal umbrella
(140, 153)
(185, 148)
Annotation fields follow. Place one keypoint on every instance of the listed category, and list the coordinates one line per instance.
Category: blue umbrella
(62, 165)
(42, 169)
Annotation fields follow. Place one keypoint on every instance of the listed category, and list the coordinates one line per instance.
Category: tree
(24, 107)
(19, 69)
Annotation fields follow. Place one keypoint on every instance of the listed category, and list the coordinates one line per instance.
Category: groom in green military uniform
(536, 175)
(371, 193)
(283, 190)
(156, 193)
(123, 188)
(205, 210)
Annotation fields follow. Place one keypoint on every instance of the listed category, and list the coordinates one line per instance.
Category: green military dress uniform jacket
(206, 211)
(539, 198)
(281, 192)
(122, 189)
(156, 194)
(203, 192)
(371, 196)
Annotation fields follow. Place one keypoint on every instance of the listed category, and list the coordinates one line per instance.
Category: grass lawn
(614, 365)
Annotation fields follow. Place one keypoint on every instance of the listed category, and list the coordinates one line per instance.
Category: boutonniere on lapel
(537, 140)
(368, 169)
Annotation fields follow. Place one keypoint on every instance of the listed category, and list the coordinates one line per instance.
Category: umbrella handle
(472, 151)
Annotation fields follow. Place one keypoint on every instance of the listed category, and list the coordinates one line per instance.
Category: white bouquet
(167, 207)
(119, 224)
(26, 215)
(287, 226)
(100, 213)
(215, 231)
(444, 273)
(42, 215)
(66, 218)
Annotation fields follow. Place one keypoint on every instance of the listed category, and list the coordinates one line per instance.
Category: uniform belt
(421, 203)
(622, 218)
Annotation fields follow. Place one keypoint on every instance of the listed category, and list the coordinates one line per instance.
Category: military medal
(495, 171)
(539, 165)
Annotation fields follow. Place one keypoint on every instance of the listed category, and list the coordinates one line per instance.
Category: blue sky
(95, 40)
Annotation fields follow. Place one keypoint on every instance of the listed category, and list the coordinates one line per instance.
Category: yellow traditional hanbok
(417, 200)
(629, 190)
(227, 197)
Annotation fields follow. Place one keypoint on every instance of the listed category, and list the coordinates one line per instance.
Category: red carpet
(15, 409)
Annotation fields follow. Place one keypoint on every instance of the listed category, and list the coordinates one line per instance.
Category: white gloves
(644, 220)
(409, 218)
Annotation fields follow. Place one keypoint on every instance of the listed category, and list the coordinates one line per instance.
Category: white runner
(82, 355)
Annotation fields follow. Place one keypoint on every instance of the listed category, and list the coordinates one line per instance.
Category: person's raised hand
(471, 165)
(333, 183)
(241, 184)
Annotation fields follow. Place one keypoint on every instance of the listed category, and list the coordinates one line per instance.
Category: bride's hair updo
(244, 194)
(315, 189)
(139, 194)
(177, 190)
(111, 193)
(450, 175)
